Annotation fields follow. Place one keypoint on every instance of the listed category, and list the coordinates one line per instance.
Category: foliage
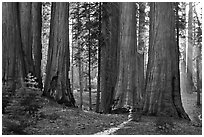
(85, 32)
(23, 109)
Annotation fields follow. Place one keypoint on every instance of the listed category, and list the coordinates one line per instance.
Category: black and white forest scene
(101, 68)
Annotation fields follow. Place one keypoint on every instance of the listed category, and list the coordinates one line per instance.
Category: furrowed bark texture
(163, 80)
(126, 88)
(57, 71)
(30, 27)
(109, 54)
(10, 42)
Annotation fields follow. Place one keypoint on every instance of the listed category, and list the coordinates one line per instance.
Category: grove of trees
(131, 54)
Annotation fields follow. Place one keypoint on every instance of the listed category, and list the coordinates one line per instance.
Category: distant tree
(141, 48)
(99, 62)
(190, 84)
(36, 40)
(163, 79)
(57, 82)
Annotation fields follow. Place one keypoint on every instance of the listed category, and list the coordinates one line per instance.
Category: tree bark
(89, 67)
(163, 79)
(190, 85)
(99, 63)
(30, 27)
(109, 54)
(197, 75)
(36, 40)
(10, 43)
(57, 83)
(25, 9)
(126, 88)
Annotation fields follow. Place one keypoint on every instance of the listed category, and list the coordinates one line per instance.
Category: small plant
(25, 104)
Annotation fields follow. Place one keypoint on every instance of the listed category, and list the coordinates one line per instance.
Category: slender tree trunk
(89, 69)
(197, 76)
(36, 39)
(79, 59)
(72, 59)
(140, 49)
(109, 54)
(163, 80)
(57, 72)
(190, 85)
(99, 63)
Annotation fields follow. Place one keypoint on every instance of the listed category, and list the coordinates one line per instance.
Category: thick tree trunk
(10, 42)
(25, 9)
(30, 26)
(57, 82)
(109, 54)
(163, 81)
(127, 82)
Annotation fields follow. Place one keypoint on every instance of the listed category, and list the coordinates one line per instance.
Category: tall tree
(57, 82)
(190, 85)
(99, 61)
(127, 75)
(11, 43)
(109, 53)
(36, 39)
(163, 80)
(30, 26)
(79, 58)
(25, 9)
(140, 48)
(89, 56)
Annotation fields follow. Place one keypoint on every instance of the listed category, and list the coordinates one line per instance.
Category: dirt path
(189, 100)
(113, 129)
(147, 125)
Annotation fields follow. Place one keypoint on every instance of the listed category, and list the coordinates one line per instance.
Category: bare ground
(59, 120)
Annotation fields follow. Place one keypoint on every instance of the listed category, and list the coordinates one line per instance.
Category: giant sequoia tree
(126, 87)
(163, 80)
(10, 42)
(30, 28)
(57, 83)
(109, 53)
(26, 26)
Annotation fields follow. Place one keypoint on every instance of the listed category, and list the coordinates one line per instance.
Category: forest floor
(59, 120)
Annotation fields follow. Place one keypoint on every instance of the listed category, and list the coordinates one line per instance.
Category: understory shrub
(22, 109)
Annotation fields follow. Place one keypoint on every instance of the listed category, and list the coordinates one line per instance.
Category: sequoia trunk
(109, 54)
(163, 81)
(57, 82)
